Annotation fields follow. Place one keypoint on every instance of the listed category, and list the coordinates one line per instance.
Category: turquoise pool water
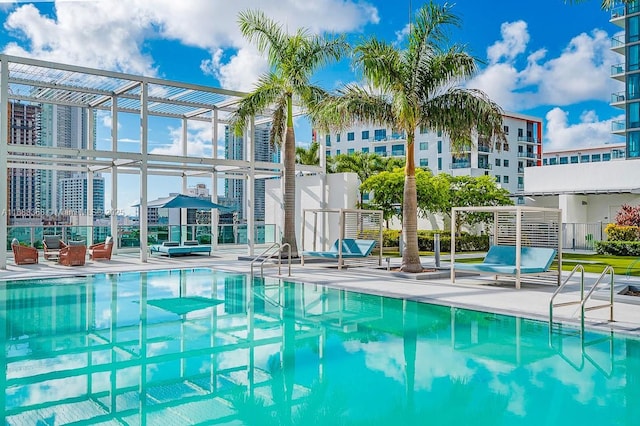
(208, 347)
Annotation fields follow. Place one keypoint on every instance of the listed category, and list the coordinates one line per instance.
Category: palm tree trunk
(289, 196)
(410, 254)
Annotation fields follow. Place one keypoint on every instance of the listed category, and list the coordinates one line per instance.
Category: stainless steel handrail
(265, 258)
(584, 308)
(576, 268)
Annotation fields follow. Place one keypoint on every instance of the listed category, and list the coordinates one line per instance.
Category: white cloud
(580, 73)
(199, 136)
(112, 34)
(514, 42)
(589, 131)
(240, 72)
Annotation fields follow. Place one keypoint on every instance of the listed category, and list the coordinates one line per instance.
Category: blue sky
(544, 58)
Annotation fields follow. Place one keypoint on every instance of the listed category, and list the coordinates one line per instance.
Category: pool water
(208, 347)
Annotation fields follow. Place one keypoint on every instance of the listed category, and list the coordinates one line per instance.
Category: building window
(397, 150)
(337, 137)
(633, 57)
(564, 160)
(337, 152)
(381, 150)
(544, 161)
(505, 179)
(595, 158)
(497, 179)
(365, 149)
(424, 146)
(506, 130)
(498, 162)
(365, 196)
(439, 147)
(380, 134)
(606, 156)
(327, 140)
(520, 133)
(553, 161)
(423, 129)
(439, 133)
(439, 163)
(424, 162)
(350, 151)
(633, 145)
(505, 163)
(574, 159)
(365, 135)
(584, 158)
(328, 153)
(350, 136)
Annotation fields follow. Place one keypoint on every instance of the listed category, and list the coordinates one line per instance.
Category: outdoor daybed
(351, 249)
(173, 248)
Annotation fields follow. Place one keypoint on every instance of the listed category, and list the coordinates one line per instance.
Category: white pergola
(40, 82)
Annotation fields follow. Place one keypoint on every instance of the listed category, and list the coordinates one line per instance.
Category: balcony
(618, 127)
(528, 139)
(617, 99)
(617, 72)
(461, 165)
(484, 148)
(485, 166)
(617, 44)
(527, 155)
(520, 169)
(617, 15)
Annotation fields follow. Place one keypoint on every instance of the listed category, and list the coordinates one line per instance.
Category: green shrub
(618, 248)
(465, 242)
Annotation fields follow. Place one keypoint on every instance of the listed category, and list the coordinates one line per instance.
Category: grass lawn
(591, 262)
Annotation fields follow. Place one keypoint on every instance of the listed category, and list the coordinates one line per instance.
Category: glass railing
(617, 41)
(617, 11)
(617, 69)
(617, 97)
(461, 165)
(529, 139)
(618, 126)
(129, 235)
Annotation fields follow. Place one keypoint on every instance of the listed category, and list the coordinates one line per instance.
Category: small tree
(308, 156)
(467, 191)
(628, 215)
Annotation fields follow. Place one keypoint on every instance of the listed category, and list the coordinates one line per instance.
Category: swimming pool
(207, 347)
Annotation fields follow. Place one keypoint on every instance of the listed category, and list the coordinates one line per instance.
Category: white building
(592, 154)
(506, 162)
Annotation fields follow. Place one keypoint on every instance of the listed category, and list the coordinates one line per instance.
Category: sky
(547, 58)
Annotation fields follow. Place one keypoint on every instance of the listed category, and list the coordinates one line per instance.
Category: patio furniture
(23, 255)
(101, 250)
(174, 248)
(52, 245)
(73, 255)
(348, 248)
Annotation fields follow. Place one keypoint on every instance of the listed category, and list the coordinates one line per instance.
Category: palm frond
(267, 34)
(381, 64)
(443, 70)
(267, 91)
(459, 112)
(352, 103)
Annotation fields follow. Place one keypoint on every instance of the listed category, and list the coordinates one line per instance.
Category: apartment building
(627, 43)
(594, 154)
(504, 161)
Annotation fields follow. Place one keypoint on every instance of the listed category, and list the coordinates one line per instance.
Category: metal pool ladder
(583, 308)
(584, 298)
(275, 248)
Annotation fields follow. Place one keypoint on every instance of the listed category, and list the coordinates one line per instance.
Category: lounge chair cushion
(53, 242)
(170, 244)
(351, 248)
(502, 260)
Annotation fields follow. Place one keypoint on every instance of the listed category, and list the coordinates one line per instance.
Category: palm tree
(293, 58)
(365, 165)
(308, 156)
(412, 88)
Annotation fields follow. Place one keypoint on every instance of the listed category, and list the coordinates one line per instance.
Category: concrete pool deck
(479, 292)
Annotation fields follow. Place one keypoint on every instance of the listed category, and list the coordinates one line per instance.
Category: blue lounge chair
(172, 248)
(351, 249)
(501, 260)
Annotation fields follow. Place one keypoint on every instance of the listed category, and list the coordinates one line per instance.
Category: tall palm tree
(412, 88)
(293, 58)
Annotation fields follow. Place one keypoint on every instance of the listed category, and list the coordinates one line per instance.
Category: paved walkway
(477, 292)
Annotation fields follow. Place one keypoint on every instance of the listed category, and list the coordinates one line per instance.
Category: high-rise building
(24, 129)
(505, 161)
(73, 195)
(64, 127)
(234, 189)
(627, 43)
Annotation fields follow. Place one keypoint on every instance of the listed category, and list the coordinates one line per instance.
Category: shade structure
(180, 201)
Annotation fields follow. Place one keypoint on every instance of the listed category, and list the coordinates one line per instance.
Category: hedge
(464, 242)
(622, 233)
(618, 248)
